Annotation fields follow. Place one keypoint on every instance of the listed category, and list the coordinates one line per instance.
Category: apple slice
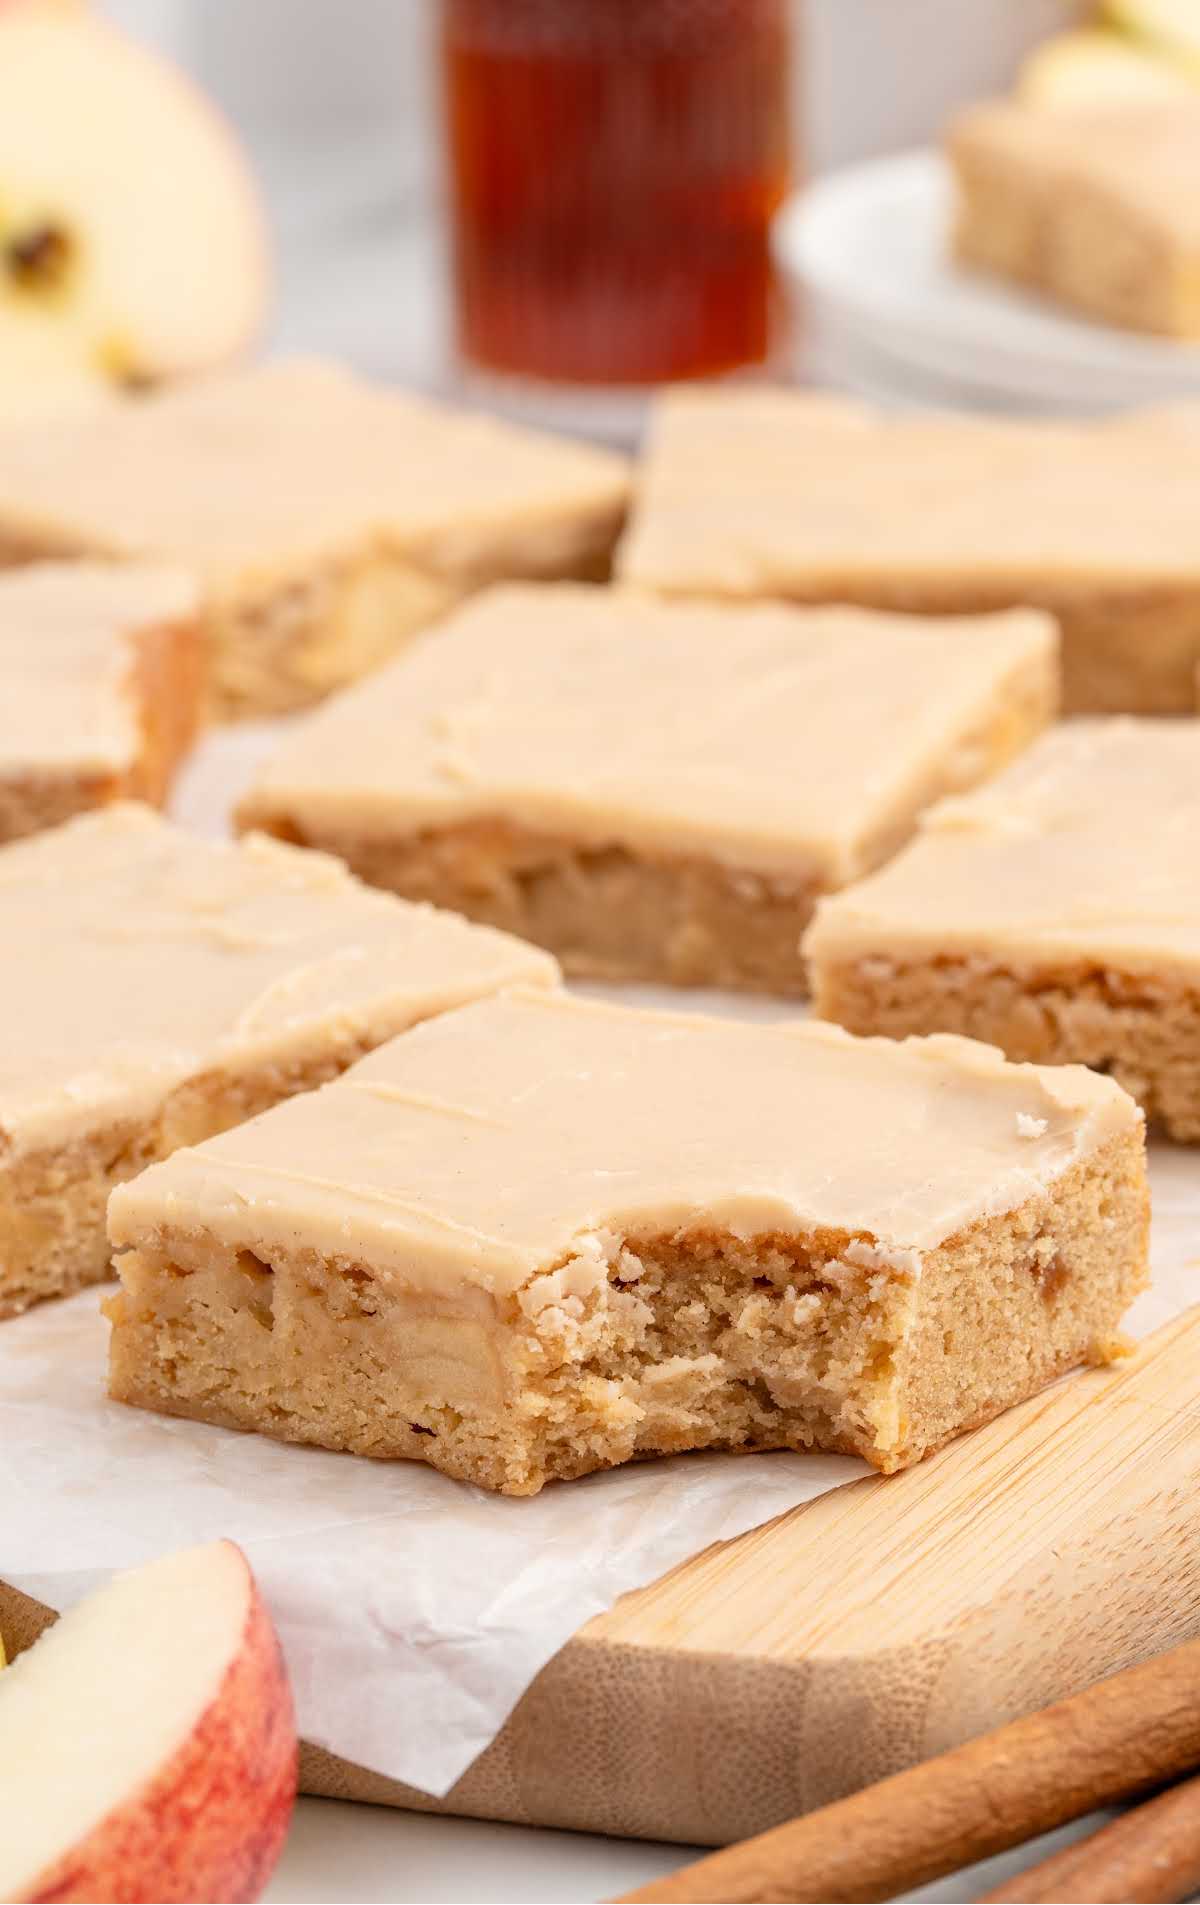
(147, 1743)
(38, 377)
(131, 235)
(1093, 68)
(1173, 26)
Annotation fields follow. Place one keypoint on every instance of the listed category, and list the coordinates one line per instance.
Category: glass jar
(614, 168)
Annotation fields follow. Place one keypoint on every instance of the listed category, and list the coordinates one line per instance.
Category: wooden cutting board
(860, 1633)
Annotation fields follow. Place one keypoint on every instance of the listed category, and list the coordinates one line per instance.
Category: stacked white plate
(886, 313)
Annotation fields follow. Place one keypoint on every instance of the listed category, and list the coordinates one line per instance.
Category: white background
(338, 101)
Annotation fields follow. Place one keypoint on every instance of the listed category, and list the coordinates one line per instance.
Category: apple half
(1094, 68)
(1172, 26)
(147, 1741)
(132, 241)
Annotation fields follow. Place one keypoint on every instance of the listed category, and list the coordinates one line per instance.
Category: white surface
(870, 247)
(338, 102)
(879, 74)
(343, 1852)
(364, 1853)
(362, 64)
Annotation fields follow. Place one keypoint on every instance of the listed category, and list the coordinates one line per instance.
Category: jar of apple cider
(614, 169)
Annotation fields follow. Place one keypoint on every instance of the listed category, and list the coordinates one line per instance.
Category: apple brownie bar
(816, 499)
(1055, 913)
(102, 681)
(654, 791)
(162, 987)
(327, 519)
(1092, 207)
(629, 1233)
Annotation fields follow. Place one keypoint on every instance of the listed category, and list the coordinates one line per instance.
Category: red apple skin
(210, 1826)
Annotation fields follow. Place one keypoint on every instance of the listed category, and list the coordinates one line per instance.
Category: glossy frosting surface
(772, 737)
(286, 464)
(1087, 847)
(532, 1131)
(140, 956)
(765, 491)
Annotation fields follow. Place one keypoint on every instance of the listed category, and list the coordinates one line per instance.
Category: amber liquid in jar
(614, 168)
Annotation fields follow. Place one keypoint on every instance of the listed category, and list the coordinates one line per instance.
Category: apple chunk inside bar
(539, 1237)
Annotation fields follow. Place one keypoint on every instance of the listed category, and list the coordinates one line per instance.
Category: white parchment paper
(413, 1611)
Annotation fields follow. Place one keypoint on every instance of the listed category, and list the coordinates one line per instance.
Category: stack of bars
(373, 1179)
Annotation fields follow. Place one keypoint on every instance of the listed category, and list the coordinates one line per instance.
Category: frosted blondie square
(161, 987)
(654, 791)
(101, 680)
(326, 518)
(1093, 207)
(538, 1237)
(816, 499)
(1055, 913)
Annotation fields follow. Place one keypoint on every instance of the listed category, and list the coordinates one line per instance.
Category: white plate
(833, 355)
(871, 246)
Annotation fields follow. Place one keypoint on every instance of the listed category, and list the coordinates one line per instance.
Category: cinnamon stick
(1119, 1737)
(1151, 1854)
